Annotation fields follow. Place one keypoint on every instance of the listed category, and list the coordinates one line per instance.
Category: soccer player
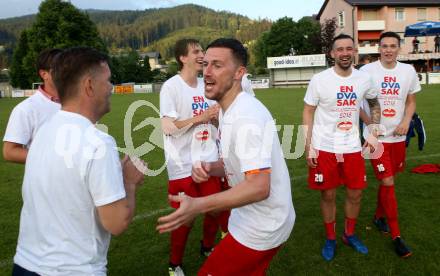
(398, 84)
(76, 191)
(262, 214)
(189, 136)
(333, 148)
(27, 117)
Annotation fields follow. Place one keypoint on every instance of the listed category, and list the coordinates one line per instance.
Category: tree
(128, 68)
(58, 24)
(303, 36)
(328, 30)
(20, 77)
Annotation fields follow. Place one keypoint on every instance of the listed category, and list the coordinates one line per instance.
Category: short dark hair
(389, 34)
(239, 52)
(72, 64)
(46, 58)
(181, 48)
(341, 36)
(365, 58)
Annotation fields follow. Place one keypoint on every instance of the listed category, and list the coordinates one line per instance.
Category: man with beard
(189, 137)
(262, 214)
(333, 148)
(398, 83)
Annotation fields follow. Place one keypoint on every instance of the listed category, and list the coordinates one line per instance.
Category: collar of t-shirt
(342, 77)
(233, 103)
(47, 95)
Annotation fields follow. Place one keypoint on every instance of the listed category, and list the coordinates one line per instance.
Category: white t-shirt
(180, 101)
(246, 84)
(249, 141)
(71, 169)
(394, 85)
(27, 117)
(338, 100)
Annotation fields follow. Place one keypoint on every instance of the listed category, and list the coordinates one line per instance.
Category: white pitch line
(152, 214)
(7, 262)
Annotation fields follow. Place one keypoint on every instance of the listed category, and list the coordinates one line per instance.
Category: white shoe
(176, 271)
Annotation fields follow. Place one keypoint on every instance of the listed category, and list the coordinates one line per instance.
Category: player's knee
(328, 195)
(388, 181)
(354, 196)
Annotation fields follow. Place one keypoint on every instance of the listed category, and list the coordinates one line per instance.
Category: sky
(272, 9)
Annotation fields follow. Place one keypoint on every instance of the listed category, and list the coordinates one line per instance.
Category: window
(369, 14)
(399, 14)
(421, 14)
(341, 19)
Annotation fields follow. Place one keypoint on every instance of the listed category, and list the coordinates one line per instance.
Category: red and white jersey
(338, 100)
(180, 101)
(394, 85)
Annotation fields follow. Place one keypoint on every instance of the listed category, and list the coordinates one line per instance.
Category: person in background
(27, 117)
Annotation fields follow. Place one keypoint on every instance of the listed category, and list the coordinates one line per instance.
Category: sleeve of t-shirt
(312, 96)
(105, 181)
(167, 102)
(19, 129)
(372, 90)
(253, 139)
(415, 84)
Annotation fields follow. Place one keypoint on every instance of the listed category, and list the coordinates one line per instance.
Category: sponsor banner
(434, 78)
(143, 88)
(296, 61)
(260, 83)
(123, 89)
(17, 93)
(423, 79)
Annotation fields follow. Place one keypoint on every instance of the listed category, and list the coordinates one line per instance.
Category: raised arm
(255, 187)
(171, 126)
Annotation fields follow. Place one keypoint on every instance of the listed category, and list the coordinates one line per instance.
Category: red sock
(330, 230)
(223, 220)
(178, 242)
(389, 204)
(379, 209)
(210, 227)
(350, 225)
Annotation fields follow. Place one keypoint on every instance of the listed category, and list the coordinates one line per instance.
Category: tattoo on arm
(374, 110)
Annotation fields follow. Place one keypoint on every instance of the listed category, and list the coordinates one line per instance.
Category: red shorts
(392, 160)
(334, 170)
(232, 258)
(189, 187)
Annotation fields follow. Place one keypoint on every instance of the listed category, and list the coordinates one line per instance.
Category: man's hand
(133, 170)
(401, 129)
(211, 113)
(312, 160)
(186, 213)
(200, 172)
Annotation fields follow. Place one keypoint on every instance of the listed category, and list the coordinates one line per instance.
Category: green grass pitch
(142, 251)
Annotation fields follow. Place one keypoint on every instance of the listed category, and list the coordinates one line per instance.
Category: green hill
(146, 29)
